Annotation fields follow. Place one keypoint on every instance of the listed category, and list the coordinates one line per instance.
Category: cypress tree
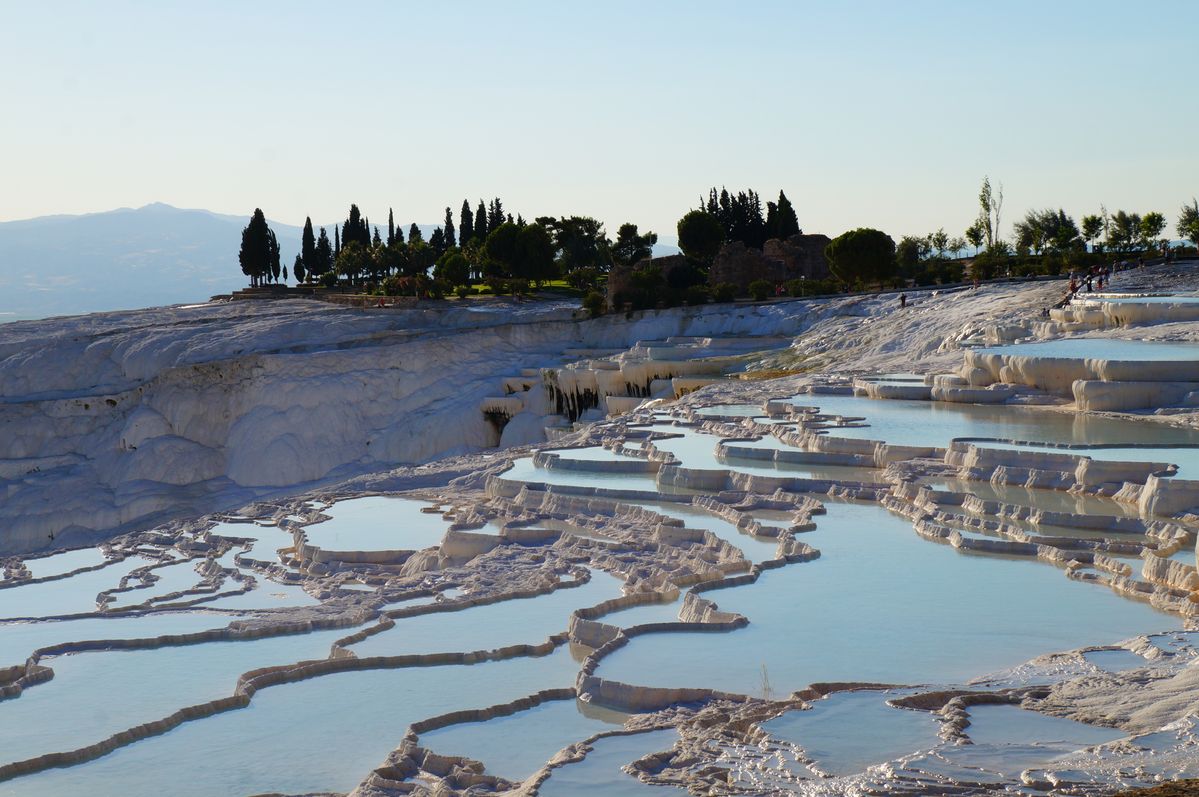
(788, 222)
(257, 249)
(297, 269)
(466, 224)
(481, 222)
(376, 240)
(391, 228)
(450, 241)
(272, 248)
(495, 215)
(437, 242)
(324, 255)
(285, 274)
(414, 234)
(307, 250)
(336, 242)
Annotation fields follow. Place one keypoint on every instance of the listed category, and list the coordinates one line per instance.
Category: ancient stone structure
(779, 261)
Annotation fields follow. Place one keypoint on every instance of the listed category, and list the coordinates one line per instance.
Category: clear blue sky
(882, 114)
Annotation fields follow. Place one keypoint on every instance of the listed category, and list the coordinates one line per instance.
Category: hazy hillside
(129, 258)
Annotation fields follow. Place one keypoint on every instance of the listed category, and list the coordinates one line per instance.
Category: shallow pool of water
(1187, 459)
(171, 578)
(883, 605)
(272, 747)
(542, 730)
(65, 562)
(1101, 299)
(1102, 349)
(523, 470)
(1115, 660)
(96, 694)
(849, 731)
(495, 625)
(937, 423)
(731, 410)
(1009, 739)
(600, 773)
(73, 595)
(755, 549)
(19, 639)
(378, 523)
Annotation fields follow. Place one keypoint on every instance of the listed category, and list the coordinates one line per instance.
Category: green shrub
(759, 290)
(725, 292)
(698, 294)
(594, 303)
(463, 291)
(519, 287)
(496, 285)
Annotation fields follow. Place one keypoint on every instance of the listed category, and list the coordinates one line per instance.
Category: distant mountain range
(129, 258)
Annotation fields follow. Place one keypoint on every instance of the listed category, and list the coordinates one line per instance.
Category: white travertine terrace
(507, 539)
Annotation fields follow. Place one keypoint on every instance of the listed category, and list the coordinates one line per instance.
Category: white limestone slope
(111, 422)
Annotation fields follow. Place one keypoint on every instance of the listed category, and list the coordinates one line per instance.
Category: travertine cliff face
(115, 421)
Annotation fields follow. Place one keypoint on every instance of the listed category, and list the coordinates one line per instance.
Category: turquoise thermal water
(698, 450)
(494, 625)
(267, 539)
(73, 595)
(937, 423)
(1187, 459)
(593, 454)
(271, 747)
(171, 578)
(644, 615)
(523, 470)
(1025, 739)
(1102, 349)
(939, 615)
(1181, 298)
(267, 594)
(543, 730)
(731, 410)
(64, 562)
(848, 731)
(1115, 660)
(19, 639)
(600, 773)
(96, 694)
(377, 523)
(755, 549)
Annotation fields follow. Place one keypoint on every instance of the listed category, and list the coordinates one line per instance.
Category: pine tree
(391, 227)
(307, 250)
(450, 241)
(399, 235)
(437, 242)
(414, 234)
(466, 224)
